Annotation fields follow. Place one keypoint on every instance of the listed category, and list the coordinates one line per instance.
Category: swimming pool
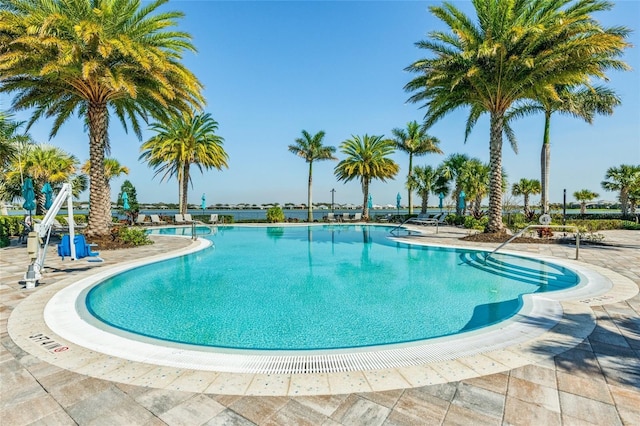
(319, 287)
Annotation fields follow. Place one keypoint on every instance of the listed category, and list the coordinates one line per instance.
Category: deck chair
(187, 218)
(155, 220)
(178, 219)
(346, 217)
(357, 217)
(331, 217)
(213, 218)
(142, 220)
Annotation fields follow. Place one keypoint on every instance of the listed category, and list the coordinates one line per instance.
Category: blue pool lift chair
(82, 248)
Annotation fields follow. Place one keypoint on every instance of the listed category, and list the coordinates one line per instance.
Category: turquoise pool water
(320, 287)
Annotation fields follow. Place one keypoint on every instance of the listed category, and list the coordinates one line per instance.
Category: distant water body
(318, 214)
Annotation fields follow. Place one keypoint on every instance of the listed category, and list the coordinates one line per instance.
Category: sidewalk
(597, 382)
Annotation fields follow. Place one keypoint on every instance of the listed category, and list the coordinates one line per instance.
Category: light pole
(333, 192)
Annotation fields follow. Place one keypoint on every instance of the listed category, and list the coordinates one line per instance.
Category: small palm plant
(584, 196)
(526, 187)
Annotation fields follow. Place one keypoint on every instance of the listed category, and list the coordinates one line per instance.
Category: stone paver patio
(596, 382)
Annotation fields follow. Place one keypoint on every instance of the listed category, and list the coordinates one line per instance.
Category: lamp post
(333, 192)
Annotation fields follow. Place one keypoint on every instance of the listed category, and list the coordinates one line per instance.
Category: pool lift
(38, 239)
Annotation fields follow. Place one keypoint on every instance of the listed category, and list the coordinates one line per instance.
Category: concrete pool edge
(576, 323)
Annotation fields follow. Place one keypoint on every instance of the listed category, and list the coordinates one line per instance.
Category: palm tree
(414, 140)
(367, 158)
(475, 177)
(311, 149)
(583, 102)
(426, 180)
(90, 57)
(584, 195)
(622, 179)
(185, 140)
(526, 187)
(43, 163)
(452, 169)
(516, 50)
(112, 169)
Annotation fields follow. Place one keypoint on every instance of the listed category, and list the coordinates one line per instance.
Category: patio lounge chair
(189, 219)
(357, 217)
(346, 217)
(425, 219)
(213, 218)
(155, 220)
(178, 219)
(142, 220)
(331, 217)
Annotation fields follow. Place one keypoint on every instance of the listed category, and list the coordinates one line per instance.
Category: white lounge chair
(331, 217)
(357, 217)
(155, 220)
(188, 219)
(346, 217)
(142, 220)
(178, 219)
(213, 218)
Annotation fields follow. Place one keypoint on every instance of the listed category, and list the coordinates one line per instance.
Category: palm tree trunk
(365, 203)
(409, 191)
(526, 205)
(309, 201)
(107, 200)
(624, 201)
(99, 219)
(185, 189)
(425, 201)
(545, 158)
(495, 161)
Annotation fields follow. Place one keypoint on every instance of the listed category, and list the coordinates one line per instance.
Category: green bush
(627, 224)
(134, 236)
(275, 214)
(472, 223)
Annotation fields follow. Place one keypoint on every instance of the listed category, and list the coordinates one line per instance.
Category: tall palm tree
(414, 140)
(185, 140)
(579, 102)
(311, 149)
(93, 57)
(516, 50)
(452, 169)
(367, 158)
(622, 179)
(427, 180)
(112, 169)
(584, 195)
(525, 188)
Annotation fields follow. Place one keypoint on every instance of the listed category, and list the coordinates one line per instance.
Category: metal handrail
(539, 226)
(399, 226)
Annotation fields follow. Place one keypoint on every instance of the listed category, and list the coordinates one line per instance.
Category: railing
(539, 226)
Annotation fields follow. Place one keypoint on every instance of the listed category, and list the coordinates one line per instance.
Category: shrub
(471, 222)
(134, 236)
(275, 214)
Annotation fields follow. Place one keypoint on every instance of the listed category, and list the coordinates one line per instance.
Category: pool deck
(595, 382)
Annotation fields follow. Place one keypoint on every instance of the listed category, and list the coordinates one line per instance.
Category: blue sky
(272, 69)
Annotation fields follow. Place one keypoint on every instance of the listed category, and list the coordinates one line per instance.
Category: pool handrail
(538, 226)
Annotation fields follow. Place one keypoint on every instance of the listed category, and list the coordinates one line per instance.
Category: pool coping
(575, 321)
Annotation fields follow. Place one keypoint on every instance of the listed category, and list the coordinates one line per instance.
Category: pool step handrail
(399, 226)
(539, 226)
